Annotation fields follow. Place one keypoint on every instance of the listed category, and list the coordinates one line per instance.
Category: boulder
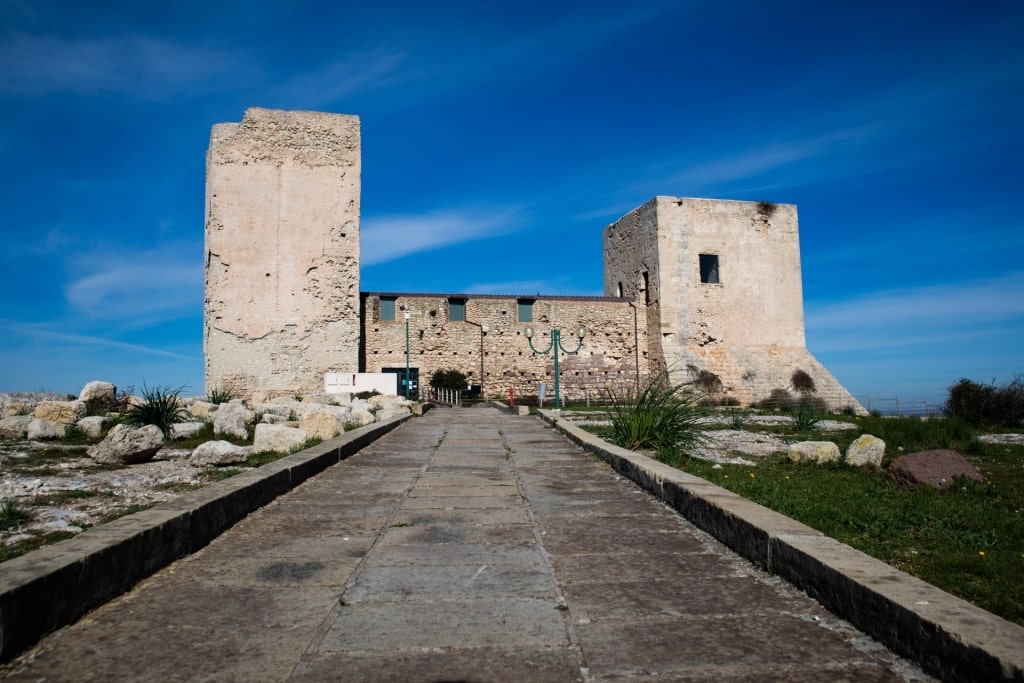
(322, 424)
(232, 418)
(64, 412)
(865, 450)
(100, 392)
(273, 418)
(938, 468)
(202, 409)
(186, 430)
(814, 451)
(219, 453)
(128, 445)
(15, 408)
(93, 425)
(44, 429)
(14, 426)
(277, 438)
(359, 417)
(392, 412)
(381, 402)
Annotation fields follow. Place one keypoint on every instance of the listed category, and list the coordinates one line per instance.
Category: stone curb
(946, 636)
(55, 585)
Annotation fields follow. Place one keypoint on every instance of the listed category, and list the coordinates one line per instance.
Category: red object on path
(511, 396)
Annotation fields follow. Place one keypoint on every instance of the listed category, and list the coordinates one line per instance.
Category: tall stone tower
(721, 284)
(282, 251)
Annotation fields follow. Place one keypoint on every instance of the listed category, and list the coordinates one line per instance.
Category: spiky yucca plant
(657, 415)
(161, 406)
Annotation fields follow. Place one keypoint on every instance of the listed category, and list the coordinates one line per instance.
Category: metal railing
(900, 407)
(447, 397)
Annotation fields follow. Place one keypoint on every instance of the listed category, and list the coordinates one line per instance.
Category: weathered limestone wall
(747, 328)
(282, 251)
(500, 350)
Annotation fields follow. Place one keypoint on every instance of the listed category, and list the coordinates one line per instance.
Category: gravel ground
(67, 491)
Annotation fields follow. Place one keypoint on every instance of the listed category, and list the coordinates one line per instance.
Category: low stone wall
(946, 636)
(54, 586)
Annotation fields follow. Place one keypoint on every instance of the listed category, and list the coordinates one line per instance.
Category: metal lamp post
(556, 344)
(406, 309)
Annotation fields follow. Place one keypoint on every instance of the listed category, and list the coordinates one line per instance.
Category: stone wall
(282, 251)
(746, 324)
(492, 341)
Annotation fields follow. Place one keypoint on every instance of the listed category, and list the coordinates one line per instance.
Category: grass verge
(968, 540)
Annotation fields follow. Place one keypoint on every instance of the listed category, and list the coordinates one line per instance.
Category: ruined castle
(696, 286)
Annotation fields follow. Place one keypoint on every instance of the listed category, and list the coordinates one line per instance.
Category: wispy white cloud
(354, 73)
(513, 287)
(137, 286)
(764, 159)
(390, 237)
(44, 333)
(133, 65)
(925, 316)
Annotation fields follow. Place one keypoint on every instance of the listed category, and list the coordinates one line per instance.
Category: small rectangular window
(387, 308)
(525, 307)
(709, 269)
(457, 310)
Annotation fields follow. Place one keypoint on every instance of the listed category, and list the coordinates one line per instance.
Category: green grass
(40, 462)
(968, 540)
(65, 497)
(13, 515)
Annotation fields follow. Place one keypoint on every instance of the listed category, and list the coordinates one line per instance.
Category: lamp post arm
(535, 350)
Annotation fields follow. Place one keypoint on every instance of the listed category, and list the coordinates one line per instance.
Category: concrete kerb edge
(945, 635)
(55, 585)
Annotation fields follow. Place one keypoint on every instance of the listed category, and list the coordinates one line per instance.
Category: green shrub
(13, 515)
(367, 394)
(987, 404)
(806, 417)
(161, 406)
(657, 415)
(802, 383)
(448, 379)
(218, 396)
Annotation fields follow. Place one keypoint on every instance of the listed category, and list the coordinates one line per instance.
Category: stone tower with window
(282, 251)
(720, 281)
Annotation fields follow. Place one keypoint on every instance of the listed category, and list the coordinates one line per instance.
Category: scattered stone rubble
(133, 466)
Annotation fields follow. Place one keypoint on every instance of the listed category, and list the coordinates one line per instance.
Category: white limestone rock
(44, 429)
(277, 438)
(128, 445)
(360, 417)
(865, 450)
(104, 392)
(232, 418)
(322, 424)
(186, 430)
(15, 426)
(819, 452)
(64, 412)
(93, 425)
(202, 409)
(219, 453)
(393, 412)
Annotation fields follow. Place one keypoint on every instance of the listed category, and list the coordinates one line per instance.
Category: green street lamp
(556, 344)
(406, 309)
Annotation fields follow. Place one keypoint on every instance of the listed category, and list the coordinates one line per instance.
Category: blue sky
(499, 138)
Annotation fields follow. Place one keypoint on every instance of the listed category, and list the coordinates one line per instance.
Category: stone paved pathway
(467, 545)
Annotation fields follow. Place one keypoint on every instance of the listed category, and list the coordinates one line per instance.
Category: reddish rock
(937, 468)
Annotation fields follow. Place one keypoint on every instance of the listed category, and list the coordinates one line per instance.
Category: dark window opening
(525, 307)
(457, 310)
(709, 269)
(387, 308)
